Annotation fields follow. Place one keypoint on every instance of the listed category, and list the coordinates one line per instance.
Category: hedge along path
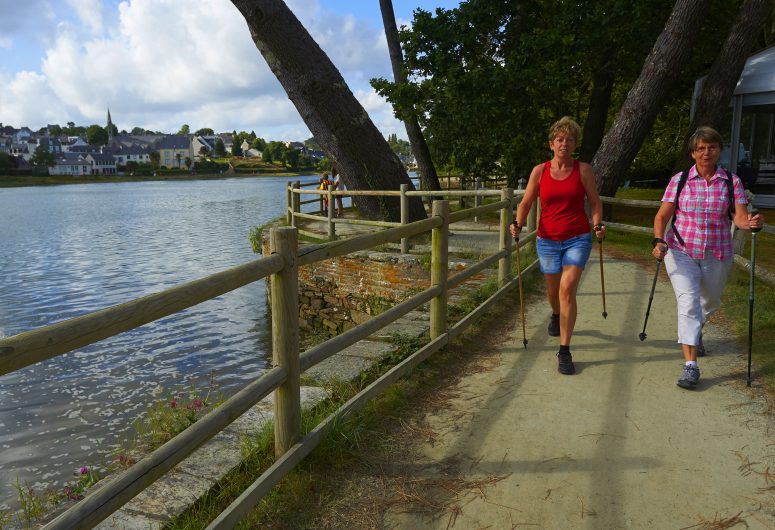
(618, 445)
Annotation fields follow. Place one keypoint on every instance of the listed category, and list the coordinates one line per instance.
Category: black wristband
(517, 225)
(657, 240)
(598, 226)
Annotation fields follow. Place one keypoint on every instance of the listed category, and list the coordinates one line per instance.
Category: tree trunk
(599, 104)
(637, 115)
(722, 79)
(336, 119)
(430, 180)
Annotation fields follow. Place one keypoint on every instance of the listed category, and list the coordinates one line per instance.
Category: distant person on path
(338, 185)
(325, 182)
(564, 240)
(697, 248)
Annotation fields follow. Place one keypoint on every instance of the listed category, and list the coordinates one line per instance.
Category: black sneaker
(565, 364)
(700, 348)
(554, 326)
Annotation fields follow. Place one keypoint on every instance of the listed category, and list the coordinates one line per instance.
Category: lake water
(69, 250)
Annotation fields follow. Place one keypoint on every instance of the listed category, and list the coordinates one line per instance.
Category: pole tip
(524, 341)
(642, 336)
(605, 315)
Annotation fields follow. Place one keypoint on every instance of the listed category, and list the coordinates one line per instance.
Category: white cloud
(168, 62)
(89, 12)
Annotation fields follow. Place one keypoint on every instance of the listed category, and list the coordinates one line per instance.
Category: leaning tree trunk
(721, 81)
(599, 104)
(640, 109)
(428, 176)
(338, 122)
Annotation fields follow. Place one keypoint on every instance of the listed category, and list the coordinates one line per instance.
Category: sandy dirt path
(618, 445)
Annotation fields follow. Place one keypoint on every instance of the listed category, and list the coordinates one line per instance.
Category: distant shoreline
(16, 181)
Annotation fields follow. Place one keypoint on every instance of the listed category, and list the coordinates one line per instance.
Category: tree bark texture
(428, 176)
(334, 116)
(599, 104)
(647, 95)
(721, 81)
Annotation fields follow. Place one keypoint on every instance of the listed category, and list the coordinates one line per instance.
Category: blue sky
(158, 64)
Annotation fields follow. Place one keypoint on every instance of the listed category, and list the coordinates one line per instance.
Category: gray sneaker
(689, 378)
(700, 348)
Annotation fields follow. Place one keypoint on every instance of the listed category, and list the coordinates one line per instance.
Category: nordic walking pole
(521, 303)
(602, 276)
(642, 335)
(753, 211)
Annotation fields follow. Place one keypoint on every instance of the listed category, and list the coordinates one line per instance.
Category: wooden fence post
(478, 185)
(404, 217)
(288, 205)
(331, 210)
(285, 339)
(439, 268)
(504, 264)
(295, 202)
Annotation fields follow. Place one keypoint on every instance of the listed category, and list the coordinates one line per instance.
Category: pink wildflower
(84, 470)
(173, 403)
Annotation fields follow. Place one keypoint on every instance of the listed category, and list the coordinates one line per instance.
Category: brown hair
(706, 134)
(566, 125)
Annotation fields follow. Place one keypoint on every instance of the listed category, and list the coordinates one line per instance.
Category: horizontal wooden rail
(272, 476)
(99, 504)
(478, 210)
(49, 341)
(474, 315)
(466, 273)
(312, 253)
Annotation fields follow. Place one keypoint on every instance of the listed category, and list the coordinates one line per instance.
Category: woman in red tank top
(564, 240)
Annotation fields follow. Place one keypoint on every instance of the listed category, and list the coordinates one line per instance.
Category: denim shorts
(554, 255)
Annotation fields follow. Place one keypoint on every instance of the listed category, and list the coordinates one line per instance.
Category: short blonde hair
(706, 134)
(566, 125)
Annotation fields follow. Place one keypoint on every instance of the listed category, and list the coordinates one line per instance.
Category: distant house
(141, 155)
(228, 141)
(173, 150)
(249, 152)
(296, 145)
(73, 141)
(101, 163)
(203, 146)
(72, 164)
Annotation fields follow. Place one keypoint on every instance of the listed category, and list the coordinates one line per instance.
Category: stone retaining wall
(339, 293)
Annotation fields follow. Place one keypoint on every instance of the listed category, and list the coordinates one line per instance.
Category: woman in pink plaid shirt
(698, 251)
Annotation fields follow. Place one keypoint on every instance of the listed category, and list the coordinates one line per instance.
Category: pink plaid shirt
(701, 217)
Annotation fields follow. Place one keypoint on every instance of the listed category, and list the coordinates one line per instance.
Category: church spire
(110, 128)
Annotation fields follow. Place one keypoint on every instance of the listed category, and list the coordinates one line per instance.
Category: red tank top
(562, 205)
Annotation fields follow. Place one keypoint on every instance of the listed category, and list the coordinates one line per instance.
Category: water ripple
(70, 250)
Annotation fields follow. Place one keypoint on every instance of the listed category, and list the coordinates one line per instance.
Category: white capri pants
(698, 284)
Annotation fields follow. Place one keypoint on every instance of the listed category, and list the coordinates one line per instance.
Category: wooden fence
(25, 349)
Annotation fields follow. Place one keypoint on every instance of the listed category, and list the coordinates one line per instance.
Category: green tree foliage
(400, 147)
(292, 158)
(7, 162)
(259, 143)
(42, 159)
(488, 77)
(236, 146)
(205, 131)
(96, 135)
(220, 148)
(184, 129)
(155, 159)
(54, 130)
